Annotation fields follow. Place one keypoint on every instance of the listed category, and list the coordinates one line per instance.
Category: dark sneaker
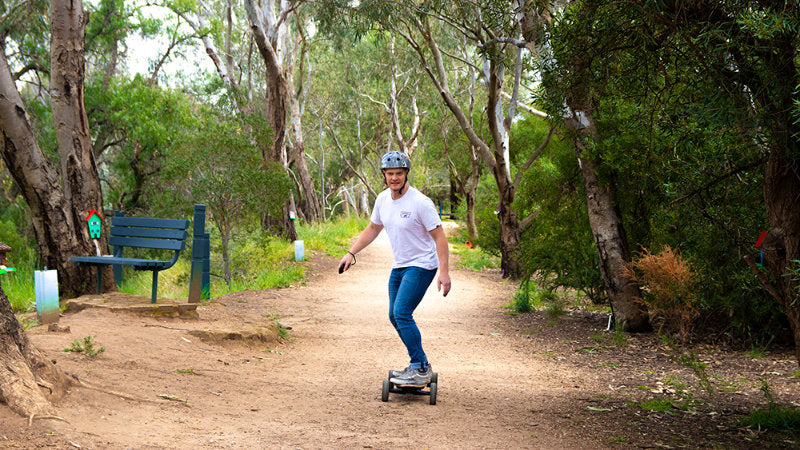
(414, 377)
(398, 373)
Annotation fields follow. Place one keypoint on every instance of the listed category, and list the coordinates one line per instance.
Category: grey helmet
(395, 160)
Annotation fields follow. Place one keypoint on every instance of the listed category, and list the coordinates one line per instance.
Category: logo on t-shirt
(405, 214)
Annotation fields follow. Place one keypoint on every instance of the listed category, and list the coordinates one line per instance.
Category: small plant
(690, 361)
(659, 405)
(774, 417)
(555, 309)
(87, 346)
(28, 323)
(598, 337)
(620, 337)
(522, 298)
(608, 364)
(668, 283)
(283, 332)
(758, 348)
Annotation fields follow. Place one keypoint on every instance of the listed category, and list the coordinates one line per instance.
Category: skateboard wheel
(434, 388)
(390, 375)
(435, 377)
(385, 392)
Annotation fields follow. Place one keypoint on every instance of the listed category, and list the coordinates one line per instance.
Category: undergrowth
(668, 283)
(773, 417)
(87, 346)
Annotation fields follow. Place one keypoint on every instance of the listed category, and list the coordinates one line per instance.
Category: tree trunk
(612, 250)
(24, 371)
(275, 97)
(313, 209)
(494, 157)
(58, 234)
(472, 227)
(781, 246)
(609, 234)
(79, 174)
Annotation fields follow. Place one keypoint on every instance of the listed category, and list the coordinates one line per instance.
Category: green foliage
(529, 296)
(688, 359)
(522, 298)
(559, 244)
(137, 127)
(475, 258)
(332, 237)
(774, 417)
(87, 346)
(18, 286)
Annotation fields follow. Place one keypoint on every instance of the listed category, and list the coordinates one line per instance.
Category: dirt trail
(321, 389)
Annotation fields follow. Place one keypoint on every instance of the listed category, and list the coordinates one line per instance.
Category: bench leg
(155, 287)
(99, 279)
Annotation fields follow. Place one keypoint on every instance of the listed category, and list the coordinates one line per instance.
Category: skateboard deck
(413, 389)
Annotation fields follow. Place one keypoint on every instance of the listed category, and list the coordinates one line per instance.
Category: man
(419, 247)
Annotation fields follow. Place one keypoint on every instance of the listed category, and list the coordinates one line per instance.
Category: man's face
(395, 178)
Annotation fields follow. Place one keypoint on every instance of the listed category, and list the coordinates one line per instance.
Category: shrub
(668, 284)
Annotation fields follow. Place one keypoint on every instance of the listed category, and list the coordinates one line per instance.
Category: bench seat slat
(159, 233)
(177, 224)
(140, 264)
(164, 244)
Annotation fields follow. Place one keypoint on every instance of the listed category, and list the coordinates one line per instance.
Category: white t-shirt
(408, 222)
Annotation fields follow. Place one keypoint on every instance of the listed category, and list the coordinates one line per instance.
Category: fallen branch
(35, 417)
(111, 391)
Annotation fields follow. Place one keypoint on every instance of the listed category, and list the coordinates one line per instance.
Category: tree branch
(738, 170)
(532, 158)
(504, 40)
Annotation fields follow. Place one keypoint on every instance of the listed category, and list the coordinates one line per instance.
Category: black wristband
(353, 255)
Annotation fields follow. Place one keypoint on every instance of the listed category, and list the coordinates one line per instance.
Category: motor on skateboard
(413, 389)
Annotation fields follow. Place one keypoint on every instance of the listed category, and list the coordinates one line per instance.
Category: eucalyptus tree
(751, 50)
(219, 167)
(431, 29)
(365, 101)
(218, 25)
(270, 24)
(57, 209)
(58, 199)
(584, 36)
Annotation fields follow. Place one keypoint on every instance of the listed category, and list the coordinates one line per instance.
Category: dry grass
(668, 282)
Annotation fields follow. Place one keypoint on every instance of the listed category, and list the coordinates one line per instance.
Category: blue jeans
(407, 286)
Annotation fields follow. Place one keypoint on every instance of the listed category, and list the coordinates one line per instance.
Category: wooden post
(199, 280)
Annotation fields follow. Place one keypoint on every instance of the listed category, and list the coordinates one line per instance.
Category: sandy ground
(504, 381)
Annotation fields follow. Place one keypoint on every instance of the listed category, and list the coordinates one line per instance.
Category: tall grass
(19, 288)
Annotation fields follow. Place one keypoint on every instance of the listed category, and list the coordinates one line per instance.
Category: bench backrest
(166, 234)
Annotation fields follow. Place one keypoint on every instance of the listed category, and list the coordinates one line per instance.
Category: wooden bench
(142, 232)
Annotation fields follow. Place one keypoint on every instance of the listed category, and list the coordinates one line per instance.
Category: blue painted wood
(142, 232)
(159, 233)
(163, 244)
(178, 224)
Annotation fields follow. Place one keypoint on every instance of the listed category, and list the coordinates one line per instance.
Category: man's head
(395, 167)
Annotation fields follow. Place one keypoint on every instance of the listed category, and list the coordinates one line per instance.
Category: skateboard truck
(389, 387)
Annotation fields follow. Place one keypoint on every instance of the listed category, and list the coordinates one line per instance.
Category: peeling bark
(28, 380)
